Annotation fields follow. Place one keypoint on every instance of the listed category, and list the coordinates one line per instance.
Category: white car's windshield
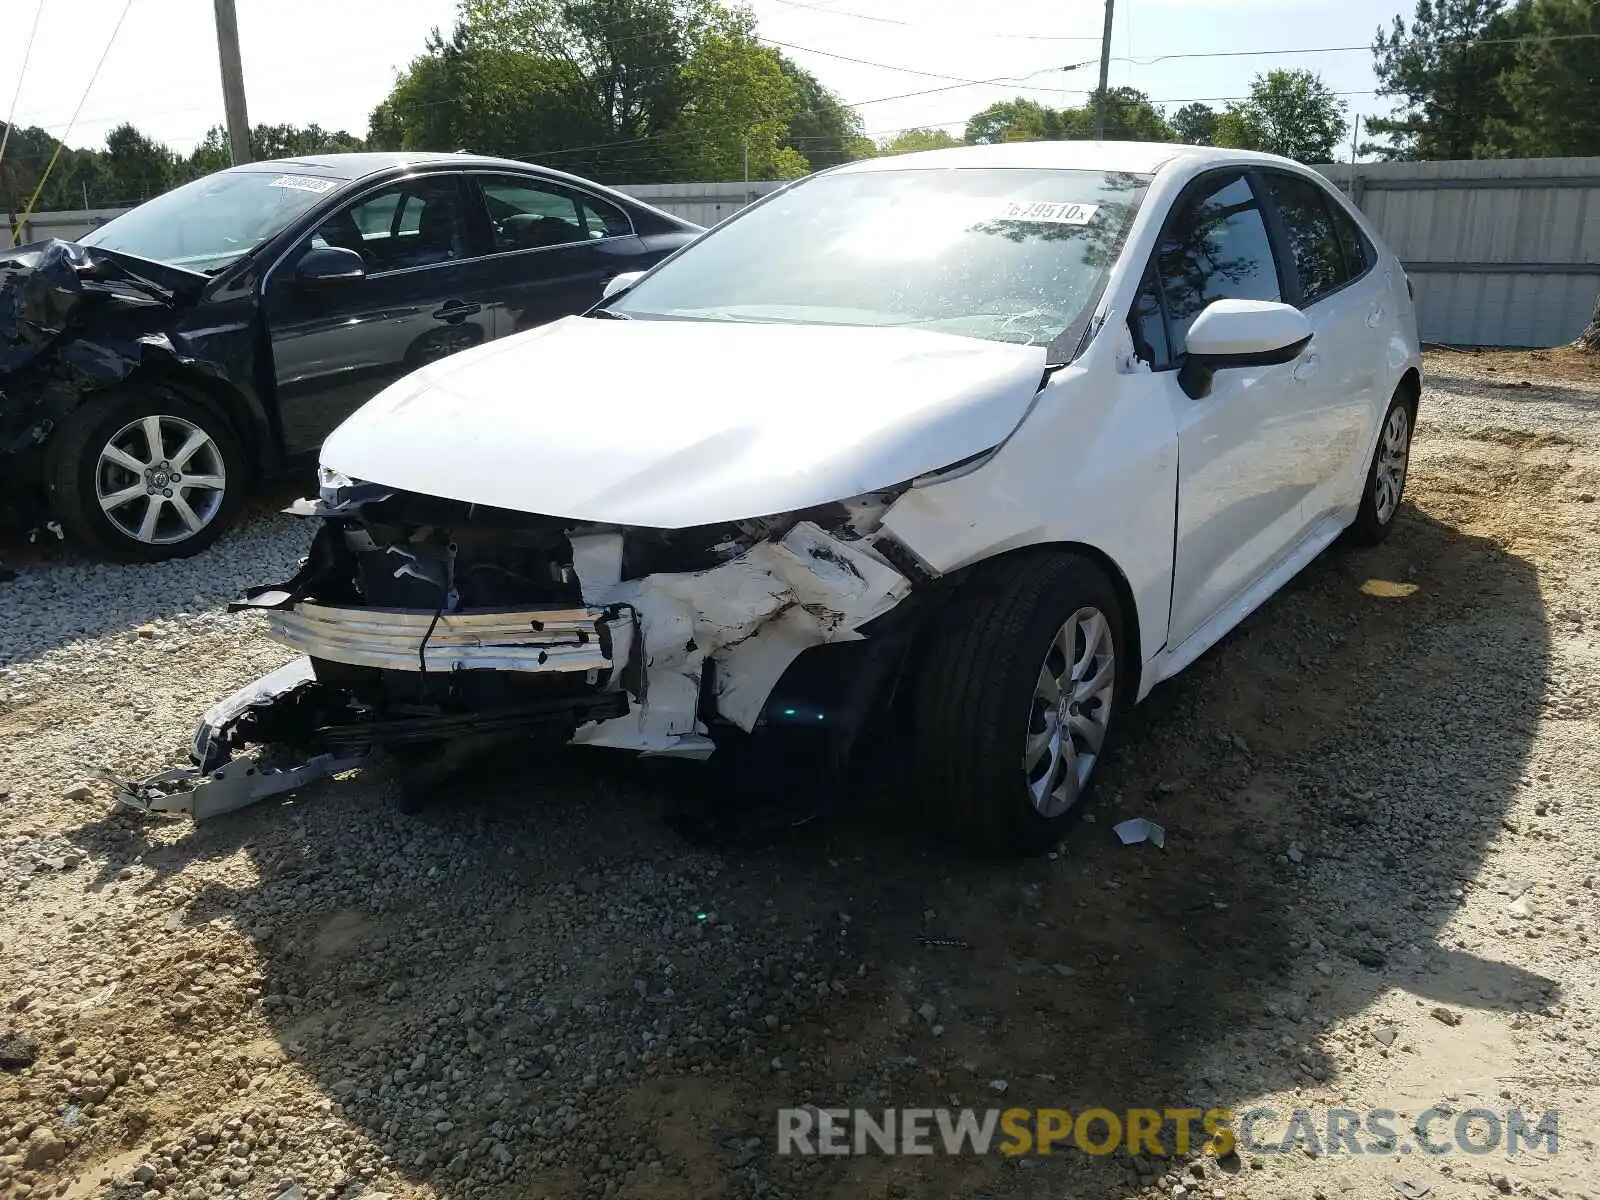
(207, 224)
(1007, 255)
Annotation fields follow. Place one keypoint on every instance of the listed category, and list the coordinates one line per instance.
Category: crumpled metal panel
(49, 358)
(40, 290)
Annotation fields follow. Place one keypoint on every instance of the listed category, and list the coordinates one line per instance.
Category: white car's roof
(1139, 158)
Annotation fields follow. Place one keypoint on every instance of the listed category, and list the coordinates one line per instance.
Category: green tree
(910, 141)
(1129, 117)
(28, 152)
(1443, 70)
(1019, 120)
(477, 91)
(132, 168)
(635, 90)
(1239, 128)
(139, 167)
(822, 128)
(1195, 124)
(1292, 113)
(1551, 89)
(735, 123)
(266, 142)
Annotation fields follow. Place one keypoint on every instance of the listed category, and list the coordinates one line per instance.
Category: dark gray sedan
(214, 335)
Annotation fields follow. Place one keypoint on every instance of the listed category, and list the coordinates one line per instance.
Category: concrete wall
(64, 225)
(702, 203)
(1502, 252)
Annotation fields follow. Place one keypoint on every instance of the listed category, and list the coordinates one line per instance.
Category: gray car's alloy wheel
(144, 475)
(1017, 698)
(161, 479)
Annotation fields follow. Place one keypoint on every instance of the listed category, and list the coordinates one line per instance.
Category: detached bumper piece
(307, 730)
(199, 795)
(592, 642)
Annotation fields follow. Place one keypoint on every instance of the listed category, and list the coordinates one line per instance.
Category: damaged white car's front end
(426, 618)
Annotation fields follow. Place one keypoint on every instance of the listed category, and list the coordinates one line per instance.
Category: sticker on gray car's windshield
(305, 183)
(1053, 212)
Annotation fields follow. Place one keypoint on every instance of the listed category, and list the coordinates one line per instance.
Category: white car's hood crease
(671, 424)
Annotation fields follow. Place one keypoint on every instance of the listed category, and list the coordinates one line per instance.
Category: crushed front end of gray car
(65, 336)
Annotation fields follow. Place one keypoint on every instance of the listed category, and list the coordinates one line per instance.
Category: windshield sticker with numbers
(305, 183)
(1050, 211)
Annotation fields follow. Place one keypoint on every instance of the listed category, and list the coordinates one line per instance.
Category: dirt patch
(1560, 364)
(1382, 804)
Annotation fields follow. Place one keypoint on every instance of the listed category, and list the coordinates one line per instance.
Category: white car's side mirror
(620, 283)
(1241, 333)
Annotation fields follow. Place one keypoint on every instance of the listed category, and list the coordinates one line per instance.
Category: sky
(331, 61)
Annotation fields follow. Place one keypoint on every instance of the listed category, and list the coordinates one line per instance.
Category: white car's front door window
(1241, 449)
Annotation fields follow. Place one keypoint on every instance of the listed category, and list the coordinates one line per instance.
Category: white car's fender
(1093, 464)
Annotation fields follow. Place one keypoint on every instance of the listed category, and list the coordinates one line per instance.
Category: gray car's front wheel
(1017, 699)
(145, 474)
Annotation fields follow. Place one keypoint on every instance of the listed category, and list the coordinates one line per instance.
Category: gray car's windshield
(1004, 254)
(207, 224)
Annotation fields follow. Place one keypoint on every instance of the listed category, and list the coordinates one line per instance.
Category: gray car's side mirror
(329, 265)
(1241, 333)
(621, 283)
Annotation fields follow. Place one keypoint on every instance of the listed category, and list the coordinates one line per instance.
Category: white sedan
(959, 453)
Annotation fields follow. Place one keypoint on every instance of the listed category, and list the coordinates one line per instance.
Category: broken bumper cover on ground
(218, 783)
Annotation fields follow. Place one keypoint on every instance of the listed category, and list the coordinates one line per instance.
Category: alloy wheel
(160, 479)
(1071, 712)
(1394, 453)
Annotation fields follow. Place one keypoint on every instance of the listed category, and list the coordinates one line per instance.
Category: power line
(62, 145)
(959, 79)
(997, 81)
(27, 53)
(1025, 37)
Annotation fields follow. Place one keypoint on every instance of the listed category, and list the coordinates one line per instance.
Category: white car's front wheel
(1017, 699)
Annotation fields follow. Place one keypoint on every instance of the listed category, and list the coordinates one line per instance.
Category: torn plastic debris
(1139, 829)
(754, 614)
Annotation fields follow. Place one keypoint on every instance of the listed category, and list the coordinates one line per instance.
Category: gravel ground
(1382, 804)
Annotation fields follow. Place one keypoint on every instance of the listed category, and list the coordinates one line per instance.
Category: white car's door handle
(1307, 367)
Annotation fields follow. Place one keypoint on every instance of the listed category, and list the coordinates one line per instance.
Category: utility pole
(1105, 71)
(233, 81)
(1355, 139)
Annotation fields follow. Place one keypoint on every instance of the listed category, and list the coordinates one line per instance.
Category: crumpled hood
(669, 424)
(57, 344)
(43, 297)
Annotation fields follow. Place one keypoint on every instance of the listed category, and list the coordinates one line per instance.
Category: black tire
(1379, 512)
(74, 471)
(975, 704)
